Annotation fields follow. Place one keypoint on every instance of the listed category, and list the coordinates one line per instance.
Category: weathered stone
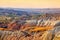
(47, 35)
(57, 36)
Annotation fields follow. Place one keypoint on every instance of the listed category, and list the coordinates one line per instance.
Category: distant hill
(21, 11)
(12, 11)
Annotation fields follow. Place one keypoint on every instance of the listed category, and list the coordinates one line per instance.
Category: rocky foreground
(53, 34)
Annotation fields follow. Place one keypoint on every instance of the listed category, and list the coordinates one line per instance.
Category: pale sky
(30, 3)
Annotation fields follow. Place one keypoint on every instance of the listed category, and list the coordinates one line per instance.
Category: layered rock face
(53, 34)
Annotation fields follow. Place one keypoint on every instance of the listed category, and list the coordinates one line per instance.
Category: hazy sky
(30, 3)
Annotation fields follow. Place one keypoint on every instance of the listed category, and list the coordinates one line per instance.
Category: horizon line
(29, 8)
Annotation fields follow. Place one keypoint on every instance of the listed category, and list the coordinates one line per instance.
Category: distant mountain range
(21, 11)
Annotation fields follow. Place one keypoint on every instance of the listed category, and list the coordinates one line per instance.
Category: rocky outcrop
(57, 36)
